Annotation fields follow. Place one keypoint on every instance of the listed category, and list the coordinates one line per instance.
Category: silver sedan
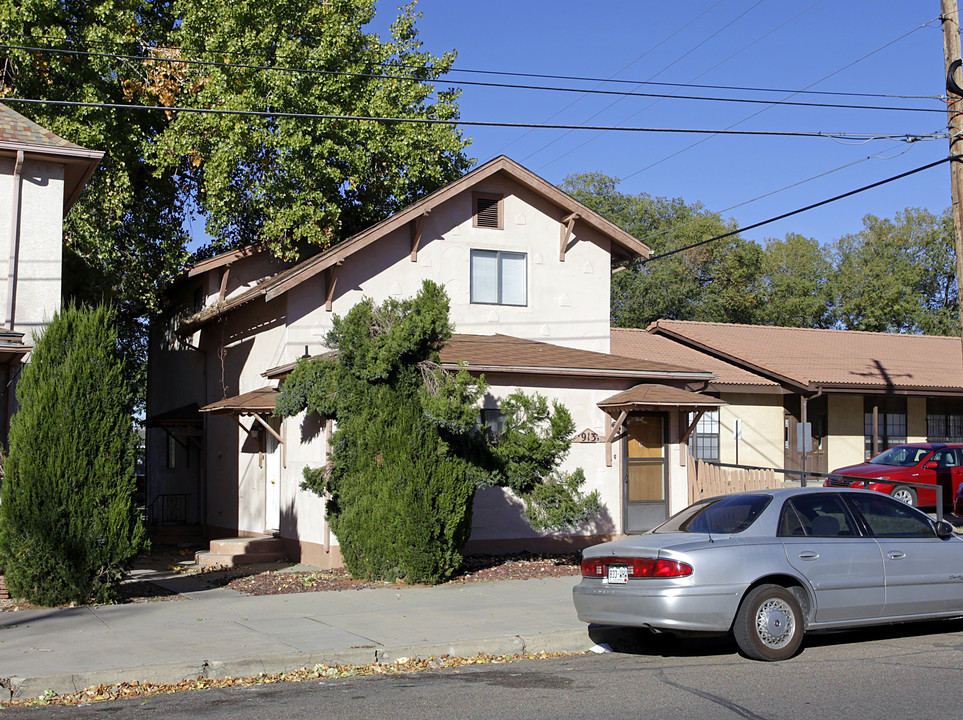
(769, 565)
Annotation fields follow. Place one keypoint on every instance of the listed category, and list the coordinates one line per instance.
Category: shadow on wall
(499, 514)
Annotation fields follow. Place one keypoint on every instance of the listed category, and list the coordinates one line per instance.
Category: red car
(935, 464)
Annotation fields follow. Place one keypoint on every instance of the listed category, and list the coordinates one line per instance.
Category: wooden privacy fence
(708, 480)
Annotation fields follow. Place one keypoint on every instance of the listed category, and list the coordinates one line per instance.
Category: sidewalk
(220, 632)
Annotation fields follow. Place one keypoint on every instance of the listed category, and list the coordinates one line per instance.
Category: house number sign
(587, 436)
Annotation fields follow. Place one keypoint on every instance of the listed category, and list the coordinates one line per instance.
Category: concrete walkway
(219, 632)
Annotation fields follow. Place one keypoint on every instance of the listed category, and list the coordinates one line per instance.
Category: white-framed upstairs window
(499, 277)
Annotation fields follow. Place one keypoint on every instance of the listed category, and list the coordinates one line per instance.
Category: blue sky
(885, 47)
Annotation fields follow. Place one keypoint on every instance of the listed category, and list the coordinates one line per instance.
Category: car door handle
(895, 555)
(808, 555)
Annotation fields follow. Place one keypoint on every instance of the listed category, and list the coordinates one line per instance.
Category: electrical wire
(544, 88)
(906, 137)
(505, 73)
(759, 112)
(660, 256)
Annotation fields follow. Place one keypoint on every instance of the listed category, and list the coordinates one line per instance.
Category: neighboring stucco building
(41, 176)
(855, 393)
(527, 269)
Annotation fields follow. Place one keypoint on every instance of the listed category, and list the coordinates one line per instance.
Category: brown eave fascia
(79, 163)
(223, 259)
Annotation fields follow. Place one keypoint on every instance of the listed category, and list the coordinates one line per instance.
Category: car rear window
(723, 515)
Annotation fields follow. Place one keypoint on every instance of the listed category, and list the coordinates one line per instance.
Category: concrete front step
(227, 552)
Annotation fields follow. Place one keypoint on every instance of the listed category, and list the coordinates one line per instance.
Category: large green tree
(68, 524)
(409, 451)
(794, 283)
(897, 275)
(283, 181)
(715, 282)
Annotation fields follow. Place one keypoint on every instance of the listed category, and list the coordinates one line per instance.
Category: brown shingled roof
(503, 353)
(830, 359)
(653, 395)
(256, 401)
(632, 342)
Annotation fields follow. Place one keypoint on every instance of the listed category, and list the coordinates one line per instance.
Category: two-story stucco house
(527, 270)
(41, 176)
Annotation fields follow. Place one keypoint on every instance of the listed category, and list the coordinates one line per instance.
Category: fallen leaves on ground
(401, 666)
(475, 568)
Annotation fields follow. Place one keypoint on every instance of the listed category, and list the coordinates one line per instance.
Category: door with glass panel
(645, 472)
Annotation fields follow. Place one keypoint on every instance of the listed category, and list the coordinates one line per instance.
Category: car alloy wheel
(904, 494)
(769, 623)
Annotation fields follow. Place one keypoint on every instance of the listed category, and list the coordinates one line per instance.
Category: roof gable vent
(487, 211)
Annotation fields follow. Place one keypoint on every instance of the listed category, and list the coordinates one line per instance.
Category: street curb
(22, 688)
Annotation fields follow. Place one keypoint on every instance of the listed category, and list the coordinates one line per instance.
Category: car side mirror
(943, 530)
(931, 465)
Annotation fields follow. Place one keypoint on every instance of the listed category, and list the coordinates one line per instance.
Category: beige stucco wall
(915, 419)
(41, 238)
(762, 418)
(845, 430)
(568, 302)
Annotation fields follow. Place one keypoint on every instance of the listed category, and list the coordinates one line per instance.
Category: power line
(660, 256)
(759, 112)
(510, 86)
(501, 73)
(905, 137)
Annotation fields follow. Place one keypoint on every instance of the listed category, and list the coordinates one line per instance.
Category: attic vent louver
(488, 211)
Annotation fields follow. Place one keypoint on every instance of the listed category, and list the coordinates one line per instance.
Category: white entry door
(272, 481)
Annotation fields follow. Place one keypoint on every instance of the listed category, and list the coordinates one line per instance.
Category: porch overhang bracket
(687, 431)
(616, 430)
(417, 225)
(568, 223)
(225, 274)
(330, 282)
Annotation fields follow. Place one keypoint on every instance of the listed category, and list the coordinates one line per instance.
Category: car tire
(904, 494)
(769, 624)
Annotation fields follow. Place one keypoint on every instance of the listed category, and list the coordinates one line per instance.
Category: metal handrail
(849, 478)
(172, 506)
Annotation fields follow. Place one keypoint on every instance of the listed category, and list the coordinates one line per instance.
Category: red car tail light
(637, 567)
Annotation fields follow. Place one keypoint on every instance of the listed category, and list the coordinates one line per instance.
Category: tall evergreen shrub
(68, 523)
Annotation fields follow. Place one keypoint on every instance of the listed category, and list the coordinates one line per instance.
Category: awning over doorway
(249, 403)
(653, 397)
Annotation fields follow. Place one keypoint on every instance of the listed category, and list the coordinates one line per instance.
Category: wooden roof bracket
(417, 225)
(565, 229)
(330, 282)
(686, 432)
(616, 430)
(225, 273)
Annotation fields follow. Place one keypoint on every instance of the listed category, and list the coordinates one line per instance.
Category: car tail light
(637, 567)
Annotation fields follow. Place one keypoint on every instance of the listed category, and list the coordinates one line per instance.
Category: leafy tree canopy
(897, 275)
(286, 182)
(716, 282)
(409, 450)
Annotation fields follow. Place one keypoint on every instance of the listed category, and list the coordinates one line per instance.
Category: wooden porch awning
(654, 397)
(249, 403)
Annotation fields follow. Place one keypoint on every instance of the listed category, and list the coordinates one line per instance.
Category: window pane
(513, 279)
(484, 276)
(890, 518)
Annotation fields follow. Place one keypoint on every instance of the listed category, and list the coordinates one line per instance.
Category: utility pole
(950, 18)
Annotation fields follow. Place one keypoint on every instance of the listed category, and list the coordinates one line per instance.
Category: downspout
(804, 419)
(7, 376)
(14, 243)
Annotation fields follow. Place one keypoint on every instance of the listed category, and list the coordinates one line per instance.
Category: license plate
(618, 574)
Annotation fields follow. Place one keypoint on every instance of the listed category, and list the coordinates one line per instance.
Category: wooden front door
(644, 472)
